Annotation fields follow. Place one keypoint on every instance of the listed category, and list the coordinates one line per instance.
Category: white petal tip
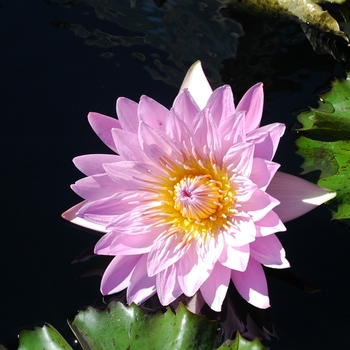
(258, 300)
(328, 195)
(70, 215)
(197, 84)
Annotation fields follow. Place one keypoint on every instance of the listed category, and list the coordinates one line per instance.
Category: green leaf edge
(48, 338)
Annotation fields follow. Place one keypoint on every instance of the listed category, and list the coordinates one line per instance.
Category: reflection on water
(181, 32)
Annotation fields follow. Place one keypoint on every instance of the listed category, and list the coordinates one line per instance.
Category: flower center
(195, 200)
(197, 197)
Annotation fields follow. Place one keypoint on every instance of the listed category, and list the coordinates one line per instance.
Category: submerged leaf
(45, 337)
(307, 11)
(325, 146)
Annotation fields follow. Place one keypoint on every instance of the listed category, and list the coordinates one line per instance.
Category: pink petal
(115, 243)
(128, 145)
(251, 284)
(270, 223)
(206, 136)
(214, 289)
(266, 140)
(127, 114)
(132, 175)
(141, 286)
(165, 252)
(185, 107)
(220, 104)
(168, 287)
(235, 258)
(178, 131)
(152, 113)
(96, 187)
(103, 125)
(91, 164)
(197, 84)
(117, 275)
(232, 131)
(262, 172)
(156, 144)
(252, 103)
(269, 252)
(209, 252)
(134, 223)
(259, 205)
(242, 232)
(239, 159)
(117, 204)
(297, 196)
(70, 215)
(192, 272)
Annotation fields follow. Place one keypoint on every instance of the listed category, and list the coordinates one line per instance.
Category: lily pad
(45, 337)
(325, 146)
(122, 327)
(243, 344)
(129, 327)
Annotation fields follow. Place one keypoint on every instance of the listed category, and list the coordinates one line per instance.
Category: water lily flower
(192, 198)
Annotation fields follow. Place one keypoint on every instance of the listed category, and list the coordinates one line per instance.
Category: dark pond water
(60, 62)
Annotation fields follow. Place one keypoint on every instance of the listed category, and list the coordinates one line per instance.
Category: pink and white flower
(192, 198)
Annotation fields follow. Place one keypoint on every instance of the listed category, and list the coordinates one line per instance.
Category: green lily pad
(45, 337)
(243, 344)
(129, 327)
(325, 146)
(121, 327)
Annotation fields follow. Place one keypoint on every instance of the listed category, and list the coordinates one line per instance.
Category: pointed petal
(251, 284)
(141, 287)
(168, 287)
(252, 103)
(70, 215)
(266, 140)
(91, 164)
(192, 272)
(178, 131)
(156, 144)
(239, 159)
(152, 113)
(235, 258)
(117, 275)
(270, 223)
(262, 172)
(232, 131)
(297, 196)
(96, 187)
(102, 125)
(165, 252)
(206, 136)
(185, 107)
(132, 175)
(115, 243)
(269, 252)
(117, 204)
(259, 204)
(197, 84)
(242, 232)
(214, 289)
(128, 145)
(220, 104)
(127, 114)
